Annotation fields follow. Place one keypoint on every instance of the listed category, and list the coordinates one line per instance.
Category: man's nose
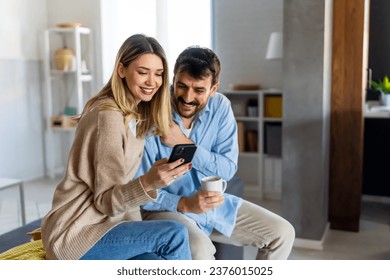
(188, 95)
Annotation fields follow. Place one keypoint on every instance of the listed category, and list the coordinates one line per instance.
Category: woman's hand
(162, 173)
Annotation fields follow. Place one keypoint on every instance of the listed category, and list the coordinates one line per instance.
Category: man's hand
(175, 136)
(201, 202)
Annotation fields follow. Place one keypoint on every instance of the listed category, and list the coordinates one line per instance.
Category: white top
(187, 131)
(133, 126)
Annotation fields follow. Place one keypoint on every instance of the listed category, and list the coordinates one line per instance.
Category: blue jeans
(153, 240)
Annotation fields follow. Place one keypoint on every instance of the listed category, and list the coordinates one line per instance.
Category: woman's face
(143, 76)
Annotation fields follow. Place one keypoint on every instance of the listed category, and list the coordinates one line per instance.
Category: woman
(95, 210)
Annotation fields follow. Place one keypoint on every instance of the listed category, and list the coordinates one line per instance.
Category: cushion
(33, 250)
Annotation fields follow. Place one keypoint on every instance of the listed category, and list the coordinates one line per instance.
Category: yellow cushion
(33, 250)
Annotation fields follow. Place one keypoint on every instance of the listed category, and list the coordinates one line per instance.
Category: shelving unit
(68, 85)
(259, 118)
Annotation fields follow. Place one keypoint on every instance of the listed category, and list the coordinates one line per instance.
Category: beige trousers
(255, 226)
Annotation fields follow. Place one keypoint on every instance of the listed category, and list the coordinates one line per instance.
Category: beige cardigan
(98, 190)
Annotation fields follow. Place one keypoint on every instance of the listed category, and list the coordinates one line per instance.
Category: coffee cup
(213, 183)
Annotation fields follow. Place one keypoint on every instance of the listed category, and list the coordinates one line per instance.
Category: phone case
(185, 151)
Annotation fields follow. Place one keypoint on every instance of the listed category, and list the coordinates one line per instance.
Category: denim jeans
(141, 240)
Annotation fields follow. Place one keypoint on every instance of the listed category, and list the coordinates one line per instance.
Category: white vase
(385, 99)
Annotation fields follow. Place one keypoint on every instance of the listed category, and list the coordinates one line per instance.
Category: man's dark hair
(198, 62)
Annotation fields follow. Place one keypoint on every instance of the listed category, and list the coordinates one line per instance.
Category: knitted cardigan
(98, 190)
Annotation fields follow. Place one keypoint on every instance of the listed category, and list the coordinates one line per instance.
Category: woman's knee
(177, 229)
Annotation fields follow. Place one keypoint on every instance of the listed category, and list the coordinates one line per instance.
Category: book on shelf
(251, 141)
(241, 136)
(273, 106)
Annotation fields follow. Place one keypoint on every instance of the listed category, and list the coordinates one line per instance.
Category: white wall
(21, 149)
(21, 25)
(241, 33)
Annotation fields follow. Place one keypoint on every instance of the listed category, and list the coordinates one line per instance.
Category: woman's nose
(150, 80)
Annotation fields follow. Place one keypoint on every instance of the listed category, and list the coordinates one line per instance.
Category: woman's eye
(142, 73)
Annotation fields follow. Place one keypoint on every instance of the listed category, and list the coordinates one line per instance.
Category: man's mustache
(192, 103)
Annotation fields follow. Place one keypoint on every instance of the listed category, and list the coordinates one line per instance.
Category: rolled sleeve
(164, 202)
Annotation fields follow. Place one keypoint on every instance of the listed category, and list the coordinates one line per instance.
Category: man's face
(190, 95)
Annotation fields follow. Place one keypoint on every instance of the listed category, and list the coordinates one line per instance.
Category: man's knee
(201, 247)
(286, 231)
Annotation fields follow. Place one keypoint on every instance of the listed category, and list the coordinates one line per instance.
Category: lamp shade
(275, 46)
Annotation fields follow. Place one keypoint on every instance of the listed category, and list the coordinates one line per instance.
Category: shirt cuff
(202, 159)
(170, 202)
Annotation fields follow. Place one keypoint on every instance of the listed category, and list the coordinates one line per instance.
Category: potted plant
(384, 88)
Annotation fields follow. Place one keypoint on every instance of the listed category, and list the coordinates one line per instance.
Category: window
(176, 24)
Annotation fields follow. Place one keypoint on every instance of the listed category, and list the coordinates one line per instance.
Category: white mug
(213, 183)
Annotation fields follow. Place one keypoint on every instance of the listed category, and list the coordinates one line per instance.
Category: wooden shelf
(252, 164)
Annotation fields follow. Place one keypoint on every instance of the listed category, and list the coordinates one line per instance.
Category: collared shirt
(214, 130)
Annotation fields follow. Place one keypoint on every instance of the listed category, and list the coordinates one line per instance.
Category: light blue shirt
(214, 131)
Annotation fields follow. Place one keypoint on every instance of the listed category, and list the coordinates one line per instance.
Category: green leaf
(383, 86)
(386, 84)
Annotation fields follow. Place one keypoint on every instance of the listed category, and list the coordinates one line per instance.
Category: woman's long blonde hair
(154, 116)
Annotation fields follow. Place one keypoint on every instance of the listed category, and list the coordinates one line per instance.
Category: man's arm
(222, 158)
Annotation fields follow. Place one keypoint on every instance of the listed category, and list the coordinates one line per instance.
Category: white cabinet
(259, 119)
(68, 73)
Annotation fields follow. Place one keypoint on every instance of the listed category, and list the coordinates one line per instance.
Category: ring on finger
(174, 177)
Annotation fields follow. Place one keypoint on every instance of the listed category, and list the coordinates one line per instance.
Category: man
(205, 117)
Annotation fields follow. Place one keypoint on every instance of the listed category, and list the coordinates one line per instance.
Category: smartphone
(184, 151)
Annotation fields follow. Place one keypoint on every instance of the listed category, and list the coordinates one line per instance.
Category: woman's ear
(121, 70)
